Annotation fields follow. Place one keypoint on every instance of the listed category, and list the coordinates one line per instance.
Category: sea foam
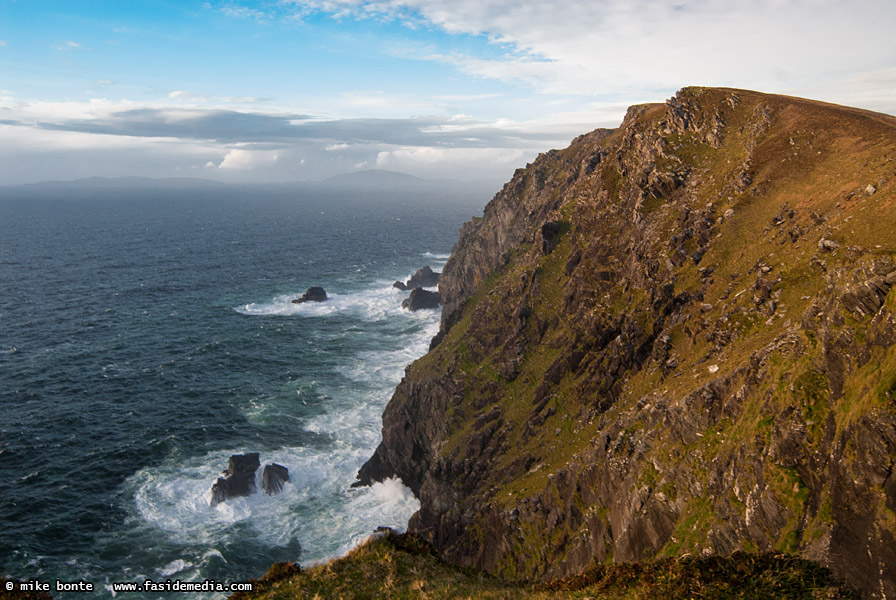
(318, 514)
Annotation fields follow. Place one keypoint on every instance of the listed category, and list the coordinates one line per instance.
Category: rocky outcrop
(312, 294)
(511, 218)
(421, 299)
(273, 477)
(645, 350)
(238, 480)
(423, 277)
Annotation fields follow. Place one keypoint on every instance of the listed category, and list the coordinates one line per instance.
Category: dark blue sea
(146, 336)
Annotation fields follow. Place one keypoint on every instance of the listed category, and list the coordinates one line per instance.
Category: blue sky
(278, 90)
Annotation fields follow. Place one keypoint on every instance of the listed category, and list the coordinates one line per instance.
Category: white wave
(388, 366)
(213, 553)
(379, 504)
(372, 305)
(437, 256)
(173, 498)
(317, 510)
(175, 566)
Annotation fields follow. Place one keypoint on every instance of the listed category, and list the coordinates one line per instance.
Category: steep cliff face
(674, 337)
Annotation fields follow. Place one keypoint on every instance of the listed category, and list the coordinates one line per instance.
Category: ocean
(148, 335)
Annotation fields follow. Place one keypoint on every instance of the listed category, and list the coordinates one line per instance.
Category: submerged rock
(312, 294)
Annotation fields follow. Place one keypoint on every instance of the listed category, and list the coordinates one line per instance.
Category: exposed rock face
(421, 299)
(423, 277)
(645, 349)
(312, 294)
(273, 477)
(239, 478)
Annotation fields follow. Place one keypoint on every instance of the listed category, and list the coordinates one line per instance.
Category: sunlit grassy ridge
(401, 567)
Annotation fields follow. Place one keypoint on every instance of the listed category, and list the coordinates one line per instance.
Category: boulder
(273, 478)
(239, 480)
(828, 245)
(423, 277)
(312, 294)
(421, 299)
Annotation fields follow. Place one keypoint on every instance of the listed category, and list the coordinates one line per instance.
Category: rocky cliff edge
(673, 337)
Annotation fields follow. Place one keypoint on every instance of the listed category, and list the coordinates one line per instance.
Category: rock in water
(312, 294)
(423, 277)
(240, 480)
(219, 492)
(241, 470)
(421, 299)
(243, 463)
(273, 477)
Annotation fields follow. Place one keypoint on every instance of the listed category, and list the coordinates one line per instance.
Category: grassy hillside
(675, 337)
(401, 567)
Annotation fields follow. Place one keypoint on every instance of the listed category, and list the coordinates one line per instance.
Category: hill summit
(675, 337)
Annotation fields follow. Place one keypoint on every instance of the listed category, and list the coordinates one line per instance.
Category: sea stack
(421, 299)
(423, 277)
(238, 480)
(312, 294)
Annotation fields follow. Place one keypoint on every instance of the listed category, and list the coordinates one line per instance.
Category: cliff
(674, 337)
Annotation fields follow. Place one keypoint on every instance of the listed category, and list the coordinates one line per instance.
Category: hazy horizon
(374, 180)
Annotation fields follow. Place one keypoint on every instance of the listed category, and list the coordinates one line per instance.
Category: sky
(287, 90)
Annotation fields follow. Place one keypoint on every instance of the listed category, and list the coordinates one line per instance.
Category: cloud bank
(630, 48)
(244, 145)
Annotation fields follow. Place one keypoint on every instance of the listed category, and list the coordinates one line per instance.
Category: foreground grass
(401, 567)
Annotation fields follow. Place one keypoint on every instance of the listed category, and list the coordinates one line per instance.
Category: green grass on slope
(402, 567)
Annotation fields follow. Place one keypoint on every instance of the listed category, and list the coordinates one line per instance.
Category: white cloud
(104, 137)
(382, 104)
(465, 97)
(186, 95)
(30, 154)
(631, 48)
(67, 45)
(242, 12)
(458, 163)
(239, 159)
